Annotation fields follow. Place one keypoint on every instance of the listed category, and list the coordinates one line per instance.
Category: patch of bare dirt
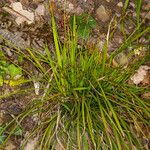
(23, 31)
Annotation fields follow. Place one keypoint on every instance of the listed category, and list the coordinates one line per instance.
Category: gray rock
(122, 59)
(120, 4)
(14, 40)
(102, 14)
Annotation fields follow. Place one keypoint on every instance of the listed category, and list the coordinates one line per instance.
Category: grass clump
(86, 103)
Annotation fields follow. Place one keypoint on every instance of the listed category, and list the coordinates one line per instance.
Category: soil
(38, 33)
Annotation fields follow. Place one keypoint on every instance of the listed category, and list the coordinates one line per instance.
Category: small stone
(36, 87)
(17, 6)
(9, 53)
(121, 59)
(33, 5)
(78, 11)
(69, 7)
(17, 77)
(118, 14)
(147, 7)
(120, 4)
(24, 14)
(132, 4)
(148, 16)
(31, 144)
(102, 14)
(40, 10)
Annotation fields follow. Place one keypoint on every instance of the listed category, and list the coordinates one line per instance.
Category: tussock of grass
(86, 103)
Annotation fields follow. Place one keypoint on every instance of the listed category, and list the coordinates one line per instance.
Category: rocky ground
(29, 25)
(26, 23)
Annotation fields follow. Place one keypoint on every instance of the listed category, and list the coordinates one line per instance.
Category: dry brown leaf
(139, 77)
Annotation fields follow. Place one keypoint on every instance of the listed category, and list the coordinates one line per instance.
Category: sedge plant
(86, 103)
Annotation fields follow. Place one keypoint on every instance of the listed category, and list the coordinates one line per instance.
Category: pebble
(70, 7)
(40, 10)
(122, 59)
(132, 4)
(147, 7)
(120, 4)
(102, 14)
(148, 15)
(78, 11)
